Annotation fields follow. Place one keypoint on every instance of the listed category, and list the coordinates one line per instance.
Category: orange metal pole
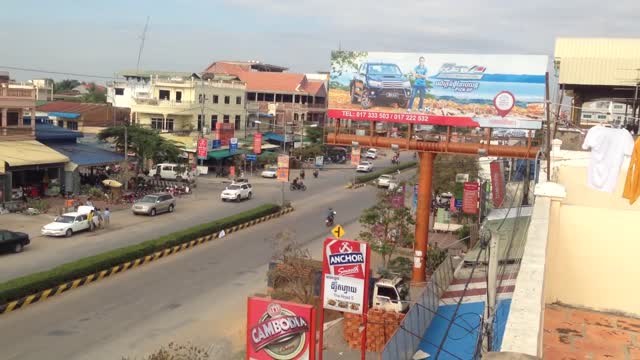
(422, 217)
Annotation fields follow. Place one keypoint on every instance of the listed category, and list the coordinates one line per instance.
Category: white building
(603, 111)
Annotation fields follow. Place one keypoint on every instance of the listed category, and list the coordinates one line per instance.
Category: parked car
(153, 204)
(385, 181)
(270, 172)
(371, 154)
(365, 166)
(236, 192)
(176, 172)
(13, 241)
(69, 223)
(376, 83)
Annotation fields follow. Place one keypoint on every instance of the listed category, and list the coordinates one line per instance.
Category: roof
(315, 87)
(70, 107)
(267, 81)
(219, 66)
(598, 61)
(222, 154)
(50, 132)
(161, 74)
(29, 152)
(87, 155)
(64, 115)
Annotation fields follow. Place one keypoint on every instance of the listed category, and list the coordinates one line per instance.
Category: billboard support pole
(365, 307)
(321, 315)
(548, 111)
(425, 176)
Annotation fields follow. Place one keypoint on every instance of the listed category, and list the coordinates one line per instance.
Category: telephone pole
(492, 276)
(126, 157)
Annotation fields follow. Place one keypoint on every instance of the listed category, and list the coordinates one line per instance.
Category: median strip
(361, 180)
(21, 292)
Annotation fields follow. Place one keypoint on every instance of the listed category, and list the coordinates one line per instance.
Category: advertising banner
(282, 173)
(345, 272)
(224, 133)
(202, 148)
(466, 90)
(233, 145)
(497, 183)
(355, 156)
(470, 198)
(232, 171)
(257, 143)
(280, 330)
(319, 161)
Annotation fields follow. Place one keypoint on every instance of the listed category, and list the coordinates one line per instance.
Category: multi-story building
(175, 102)
(85, 117)
(604, 111)
(16, 101)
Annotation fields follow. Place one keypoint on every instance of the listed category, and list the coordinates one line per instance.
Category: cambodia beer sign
(344, 275)
(279, 330)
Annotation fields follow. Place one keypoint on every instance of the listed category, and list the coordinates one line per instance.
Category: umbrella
(111, 183)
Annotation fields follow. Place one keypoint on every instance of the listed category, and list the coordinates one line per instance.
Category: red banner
(224, 133)
(232, 171)
(283, 168)
(280, 330)
(470, 198)
(257, 143)
(355, 156)
(406, 118)
(202, 148)
(497, 183)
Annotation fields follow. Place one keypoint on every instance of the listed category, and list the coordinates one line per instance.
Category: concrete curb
(100, 275)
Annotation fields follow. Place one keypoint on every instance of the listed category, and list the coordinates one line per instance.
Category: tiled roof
(315, 88)
(272, 81)
(226, 68)
(70, 107)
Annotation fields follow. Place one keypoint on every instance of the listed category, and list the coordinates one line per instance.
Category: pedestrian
(106, 216)
(88, 202)
(90, 219)
(99, 218)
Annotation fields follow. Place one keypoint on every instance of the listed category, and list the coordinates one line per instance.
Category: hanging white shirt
(608, 149)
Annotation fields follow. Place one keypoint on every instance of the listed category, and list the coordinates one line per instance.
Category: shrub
(33, 283)
(374, 175)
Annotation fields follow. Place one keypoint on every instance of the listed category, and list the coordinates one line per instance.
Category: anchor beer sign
(280, 330)
(344, 275)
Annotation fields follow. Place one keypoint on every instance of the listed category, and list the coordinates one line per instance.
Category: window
(237, 123)
(602, 117)
(278, 97)
(215, 99)
(119, 91)
(169, 125)
(269, 97)
(214, 121)
(618, 106)
(178, 96)
(72, 125)
(295, 117)
(164, 95)
(251, 96)
(260, 96)
(60, 123)
(227, 99)
(287, 98)
(156, 123)
(238, 100)
(225, 119)
(199, 122)
(388, 292)
(586, 116)
(12, 118)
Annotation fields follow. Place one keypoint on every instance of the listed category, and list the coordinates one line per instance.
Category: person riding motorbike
(330, 217)
(316, 173)
(302, 174)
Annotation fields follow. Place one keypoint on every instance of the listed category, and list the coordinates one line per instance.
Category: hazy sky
(101, 38)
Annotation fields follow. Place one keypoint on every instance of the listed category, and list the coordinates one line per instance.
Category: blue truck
(379, 83)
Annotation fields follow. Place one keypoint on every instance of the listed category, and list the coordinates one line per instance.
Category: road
(205, 205)
(198, 295)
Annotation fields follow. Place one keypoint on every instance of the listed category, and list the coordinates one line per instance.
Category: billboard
(224, 133)
(468, 90)
(355, 155)
(470, 197)
(280, 330)
(202, 148)
(257, 143)
(497, 183)
(345, 272)
(282, 173)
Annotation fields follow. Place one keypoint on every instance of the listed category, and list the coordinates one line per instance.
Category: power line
(55, 72)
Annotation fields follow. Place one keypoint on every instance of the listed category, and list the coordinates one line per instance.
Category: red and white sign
(224, 133)
(344, 275)
(280, 330)
(504, 102)
(202, 148)
(355, 156)
(497, 183)
(257, 143)
(470, 198)
(282, 173)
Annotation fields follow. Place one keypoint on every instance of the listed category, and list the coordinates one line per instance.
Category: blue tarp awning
(48, 132)
(87, 155)
(64, 115)
(274, 137)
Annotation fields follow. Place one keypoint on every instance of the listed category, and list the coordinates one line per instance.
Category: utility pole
(548, 138)
(203, 99)
(492, 274)
(126, 156)
(284, 150)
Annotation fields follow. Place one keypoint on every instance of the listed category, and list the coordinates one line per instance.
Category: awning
(223, 154)
(280, 137)
(29, 152)
(64, 115)
(87, 155)
(270, 146)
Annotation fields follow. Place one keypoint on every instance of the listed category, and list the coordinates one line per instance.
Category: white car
(385, 181)
(236, 192)
(365, 166)
(270, 172)
(69, 223)
(371, 154)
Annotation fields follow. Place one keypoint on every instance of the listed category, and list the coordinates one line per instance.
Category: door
(164, 203)
(80, 223)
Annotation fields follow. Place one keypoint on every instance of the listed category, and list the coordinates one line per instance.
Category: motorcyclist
(295, 182)
(302, 174)
(316, 173)
(330, 214)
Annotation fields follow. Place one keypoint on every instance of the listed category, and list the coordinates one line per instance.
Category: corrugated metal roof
(29, 152)
(87, 155)
(598, 61)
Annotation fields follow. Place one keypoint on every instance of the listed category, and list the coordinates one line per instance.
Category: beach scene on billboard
(412, 86)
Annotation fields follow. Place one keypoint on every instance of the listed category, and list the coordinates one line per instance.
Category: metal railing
(20, 91)
(407, 338)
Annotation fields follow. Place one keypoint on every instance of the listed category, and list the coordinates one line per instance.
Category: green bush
(31, 284)
(374, 175)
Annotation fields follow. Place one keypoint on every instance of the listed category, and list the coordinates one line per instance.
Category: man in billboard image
(419, 84)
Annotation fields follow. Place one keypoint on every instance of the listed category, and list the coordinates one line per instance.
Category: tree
(447, 166)
(387, 226)
(342, 61)
(146, 143)
(94, 95)
(315, 134)
(65, 85)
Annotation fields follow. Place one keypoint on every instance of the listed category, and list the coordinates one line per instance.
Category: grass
(374, 175)
(33, 283)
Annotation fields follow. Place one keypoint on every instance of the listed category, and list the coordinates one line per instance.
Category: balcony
(19, 96)
(15, 133)
(165, 104)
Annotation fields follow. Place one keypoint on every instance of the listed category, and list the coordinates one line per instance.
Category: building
(175, 102)
(16, 101)
(604, 112)
(282, 97)
(84, 117)
(593, 69)
(44, 89)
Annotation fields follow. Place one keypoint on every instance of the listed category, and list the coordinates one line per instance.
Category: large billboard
(345, 272)
(469, 90)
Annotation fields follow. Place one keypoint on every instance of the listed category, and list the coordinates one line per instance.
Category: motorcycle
(297, 186)
(315, 173)
(329, 220)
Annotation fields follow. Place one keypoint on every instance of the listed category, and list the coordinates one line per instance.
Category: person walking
(90, 219)
(419, 85)
(106, 215)
(99, 218)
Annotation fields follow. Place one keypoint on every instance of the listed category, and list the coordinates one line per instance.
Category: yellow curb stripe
(75, 283)
(11, 306)
(90, 278)
(45, 294)
(102, 274)
(61, 288)
(28, 300)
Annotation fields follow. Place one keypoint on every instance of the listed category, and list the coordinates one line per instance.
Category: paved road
(205, 205)
(198, 295)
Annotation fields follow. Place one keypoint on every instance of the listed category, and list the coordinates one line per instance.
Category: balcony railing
(17, 91)
(16, 133)
(163, 103)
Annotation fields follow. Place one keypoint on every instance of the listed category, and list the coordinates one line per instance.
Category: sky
(100, 38)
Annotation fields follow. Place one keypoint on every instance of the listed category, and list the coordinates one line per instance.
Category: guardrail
(405, 341)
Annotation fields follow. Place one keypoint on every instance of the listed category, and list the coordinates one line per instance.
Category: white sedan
(270, 172)
(385, 180)
(69, 223)
(365, 166)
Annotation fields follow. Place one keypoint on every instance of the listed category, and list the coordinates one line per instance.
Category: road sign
(251, 157)
(338, 231)
(233, 145)
(215, 144)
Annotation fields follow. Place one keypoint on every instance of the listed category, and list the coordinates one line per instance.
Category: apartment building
(604, 111)
(176, 102)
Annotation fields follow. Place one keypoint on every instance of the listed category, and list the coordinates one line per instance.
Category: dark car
(13, 241)
(377, 83)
